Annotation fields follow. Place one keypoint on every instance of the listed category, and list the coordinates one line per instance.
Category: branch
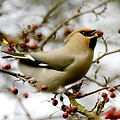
(73, 17)
(100, 84)
(19, 76)
(105, 55)
(51, 10)
(82, 109)
(90, 93)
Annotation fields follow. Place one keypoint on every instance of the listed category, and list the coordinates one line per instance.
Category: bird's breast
(79, 68)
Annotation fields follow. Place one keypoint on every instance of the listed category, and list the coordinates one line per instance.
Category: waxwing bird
(60, 67)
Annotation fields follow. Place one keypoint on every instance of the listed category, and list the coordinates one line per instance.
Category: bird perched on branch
(60, 67)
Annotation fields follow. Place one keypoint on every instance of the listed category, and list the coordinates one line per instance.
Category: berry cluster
(15, 92)
(68, 110)
(112, 94)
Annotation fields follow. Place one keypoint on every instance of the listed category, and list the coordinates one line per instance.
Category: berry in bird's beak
(100, 33)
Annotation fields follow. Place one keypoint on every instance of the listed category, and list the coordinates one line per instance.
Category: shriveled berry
(25, 95)
(15, 91)
(63, 107)
(67, 31)
(39, 34)
(111, 89)
(112, 95)
(54, 102)
(44, 87)
(104, 95)
(65, 115)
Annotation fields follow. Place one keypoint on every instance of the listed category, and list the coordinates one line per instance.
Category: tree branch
(82, 109)
(108, 53)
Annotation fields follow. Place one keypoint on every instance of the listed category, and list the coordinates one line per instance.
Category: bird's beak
(96, 33)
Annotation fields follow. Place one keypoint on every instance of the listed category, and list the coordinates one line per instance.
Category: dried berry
(25, 95)
(15, 91)
(54, 102)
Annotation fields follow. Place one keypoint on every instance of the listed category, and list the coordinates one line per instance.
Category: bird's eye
(88, 33)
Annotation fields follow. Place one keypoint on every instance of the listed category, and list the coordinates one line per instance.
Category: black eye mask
(88, 33)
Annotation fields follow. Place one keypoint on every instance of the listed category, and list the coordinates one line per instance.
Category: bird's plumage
(61, 67)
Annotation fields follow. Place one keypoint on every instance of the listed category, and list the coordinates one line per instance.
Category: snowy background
(17, 14)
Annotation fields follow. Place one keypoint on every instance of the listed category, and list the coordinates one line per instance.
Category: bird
(60, 67)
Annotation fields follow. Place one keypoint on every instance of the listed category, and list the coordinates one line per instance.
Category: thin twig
(100, 84)
(93, 92)
(82, 109)
(108, 53)
(51, 10)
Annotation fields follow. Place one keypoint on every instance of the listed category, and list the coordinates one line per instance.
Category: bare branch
(83, 110)
(51, 10)
(100, 84)
(108, 53)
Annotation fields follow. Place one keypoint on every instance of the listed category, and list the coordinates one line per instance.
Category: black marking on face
(88, 33)
(92, 42)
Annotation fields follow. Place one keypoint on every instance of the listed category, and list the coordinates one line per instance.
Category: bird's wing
(58, 61)
(49, 60)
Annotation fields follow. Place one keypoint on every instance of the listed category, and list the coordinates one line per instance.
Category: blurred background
(18, 17)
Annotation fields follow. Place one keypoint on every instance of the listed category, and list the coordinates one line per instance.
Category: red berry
(6, 67)
(25, 95)
(104, 95)
(112, 95)
(65, 115)
(68, 110)
(10, 42)
(35, 26)
(54, 102)
(111, 89)
(106, 99)
(44, 87)
(73, 109)
(27, 39)
(67, 31)
(22, 45)
(3, 67)
(10, 49)
(100, 33)
(33, 46)
(39, 35)
(15, 91)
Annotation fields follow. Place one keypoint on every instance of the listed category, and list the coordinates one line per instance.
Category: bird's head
(87, 36)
